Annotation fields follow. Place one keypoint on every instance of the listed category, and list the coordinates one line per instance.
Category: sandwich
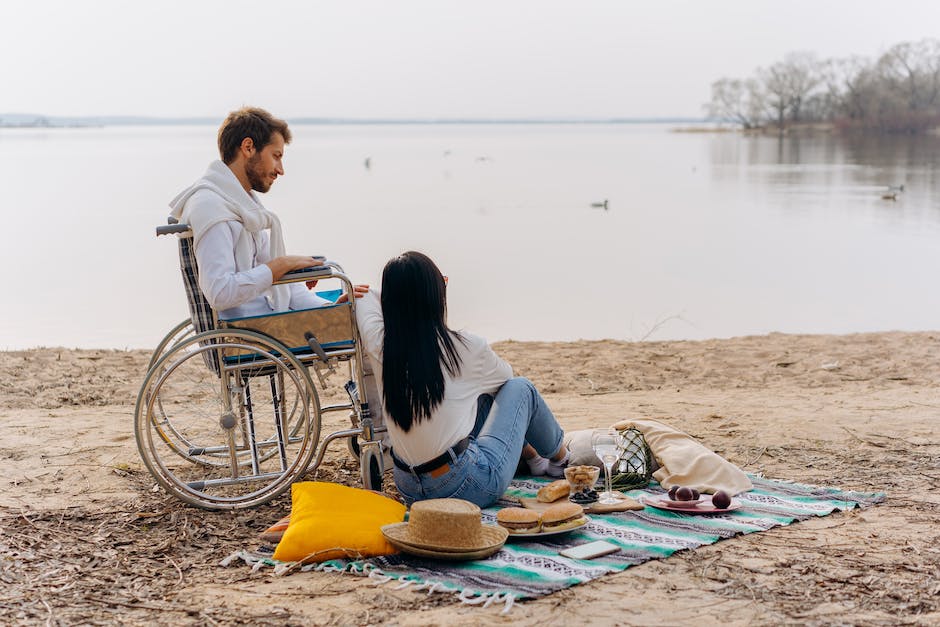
(519, 520)
(553, 491)
(562, 516)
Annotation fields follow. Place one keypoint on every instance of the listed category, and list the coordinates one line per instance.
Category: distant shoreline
(20, 120)
(679, 125)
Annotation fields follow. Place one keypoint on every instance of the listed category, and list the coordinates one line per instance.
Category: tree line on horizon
(898, 92)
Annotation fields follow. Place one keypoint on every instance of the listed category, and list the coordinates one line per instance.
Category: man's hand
(282, 265)
(358, 291)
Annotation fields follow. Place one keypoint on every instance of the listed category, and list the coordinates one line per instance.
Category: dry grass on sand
(86, 540)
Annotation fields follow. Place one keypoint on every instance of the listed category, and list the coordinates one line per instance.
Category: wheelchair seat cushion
(331, 324)
(330, 521)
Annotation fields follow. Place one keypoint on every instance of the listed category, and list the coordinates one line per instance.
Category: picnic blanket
(529, 569)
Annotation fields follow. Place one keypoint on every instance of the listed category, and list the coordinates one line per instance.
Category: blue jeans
(516, 415)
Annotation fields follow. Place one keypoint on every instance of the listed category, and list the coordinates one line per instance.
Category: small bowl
(582, 478)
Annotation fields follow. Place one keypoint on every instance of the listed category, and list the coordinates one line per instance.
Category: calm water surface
(705, 234)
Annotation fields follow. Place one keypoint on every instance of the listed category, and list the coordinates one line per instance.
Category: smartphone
(590, 550)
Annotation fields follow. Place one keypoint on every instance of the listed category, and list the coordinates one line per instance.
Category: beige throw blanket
(685, 462)
(682, 460)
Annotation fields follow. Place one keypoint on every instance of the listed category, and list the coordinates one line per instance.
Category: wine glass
(605, 444)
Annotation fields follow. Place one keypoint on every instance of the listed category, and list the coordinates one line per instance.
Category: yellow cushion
(329, 521)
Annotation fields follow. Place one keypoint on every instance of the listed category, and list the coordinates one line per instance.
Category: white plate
(545, 534)
(678, 503)
(704, 505)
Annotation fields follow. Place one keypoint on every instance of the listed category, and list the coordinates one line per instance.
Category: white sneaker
(557, 469)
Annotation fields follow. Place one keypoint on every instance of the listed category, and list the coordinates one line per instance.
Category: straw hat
(445, 529)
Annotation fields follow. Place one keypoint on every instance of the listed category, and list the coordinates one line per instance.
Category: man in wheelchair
(239, 244)
(228, 415)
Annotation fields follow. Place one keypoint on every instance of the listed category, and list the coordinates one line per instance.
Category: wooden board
(627, 504)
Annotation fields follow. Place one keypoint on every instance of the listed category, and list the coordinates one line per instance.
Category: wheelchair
(228, 415)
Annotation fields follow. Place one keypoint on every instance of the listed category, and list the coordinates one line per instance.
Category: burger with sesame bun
(519, 520)
(562, 516)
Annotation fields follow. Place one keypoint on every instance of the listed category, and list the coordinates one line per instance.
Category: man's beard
(255, 173)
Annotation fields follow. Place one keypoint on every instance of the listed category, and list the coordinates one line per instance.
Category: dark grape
(721, 500)
(584, 497)
(684, 494)
(672, 492)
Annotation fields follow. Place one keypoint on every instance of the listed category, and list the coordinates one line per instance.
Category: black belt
(437, 462)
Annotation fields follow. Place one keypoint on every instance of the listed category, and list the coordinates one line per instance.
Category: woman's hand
(358, 291)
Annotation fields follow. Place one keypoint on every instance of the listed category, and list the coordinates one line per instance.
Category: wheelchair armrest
(306, 274)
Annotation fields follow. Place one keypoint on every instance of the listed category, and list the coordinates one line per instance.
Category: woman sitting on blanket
(459, 420)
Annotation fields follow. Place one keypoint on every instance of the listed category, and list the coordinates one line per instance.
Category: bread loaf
(553, 491)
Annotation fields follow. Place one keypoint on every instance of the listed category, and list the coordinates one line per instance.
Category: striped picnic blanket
(526, 569)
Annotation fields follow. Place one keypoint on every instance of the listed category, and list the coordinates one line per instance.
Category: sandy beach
(87, 539)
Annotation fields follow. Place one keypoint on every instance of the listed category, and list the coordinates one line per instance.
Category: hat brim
(492, 539)
(446, 555)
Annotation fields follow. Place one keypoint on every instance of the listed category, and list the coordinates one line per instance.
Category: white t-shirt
(481, 372)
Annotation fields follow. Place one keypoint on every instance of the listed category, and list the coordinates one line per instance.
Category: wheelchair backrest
(200, 311)
(199, 308)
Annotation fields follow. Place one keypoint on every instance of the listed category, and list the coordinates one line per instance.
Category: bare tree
(737, 101)
(898, 93)
(802, 72)
(787, 84)
(848, 85)
(914, 69)
(776, 93)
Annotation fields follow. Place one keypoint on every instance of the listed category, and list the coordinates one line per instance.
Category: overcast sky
(420, 58)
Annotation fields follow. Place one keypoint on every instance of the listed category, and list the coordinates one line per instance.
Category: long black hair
(418, 344)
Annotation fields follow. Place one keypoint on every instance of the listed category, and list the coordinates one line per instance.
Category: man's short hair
(251, 122)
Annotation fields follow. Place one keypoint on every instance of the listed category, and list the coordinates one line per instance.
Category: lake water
(705, 234)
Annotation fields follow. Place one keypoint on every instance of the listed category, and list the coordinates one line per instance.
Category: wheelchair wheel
(352, 445)
(184, 441)
(177, 334)
(181, 440)
(227, 419)
(370, 466)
